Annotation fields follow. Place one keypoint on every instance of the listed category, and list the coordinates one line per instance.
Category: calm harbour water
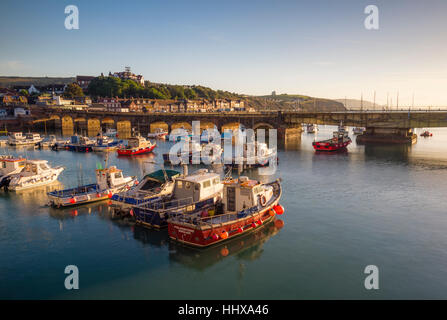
(380, 205)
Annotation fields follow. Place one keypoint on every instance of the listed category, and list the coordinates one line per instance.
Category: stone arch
(124, 129)
(159, 124)
(230, 126)
(185, 125)
(67, 125)
(207, 125)
(263, 125)
(108, 121)
(93, 127)
(55, 117)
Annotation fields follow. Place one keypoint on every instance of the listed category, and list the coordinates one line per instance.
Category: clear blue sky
(319, 48)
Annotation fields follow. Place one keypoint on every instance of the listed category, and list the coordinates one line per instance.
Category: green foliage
(115, 87)
(73, 90)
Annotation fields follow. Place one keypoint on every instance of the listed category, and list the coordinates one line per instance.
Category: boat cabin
(198, 186)
(10, 164)
(110, 177)
(33, 167)
(16, 136)
(32, 136)
(243, 193)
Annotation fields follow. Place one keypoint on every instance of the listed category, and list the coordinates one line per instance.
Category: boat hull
(35, 182)
(326, 146)
(133, 152)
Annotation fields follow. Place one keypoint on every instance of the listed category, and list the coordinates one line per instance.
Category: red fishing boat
(339, 141)
(426, 134)
(246, 206)
(135, 146)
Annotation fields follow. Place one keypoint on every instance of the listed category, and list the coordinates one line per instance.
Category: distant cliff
(294, 102)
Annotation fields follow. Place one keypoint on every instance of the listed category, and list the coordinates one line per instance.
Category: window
(216, 181)
(179, 184)
(118, 175)
(207, 183)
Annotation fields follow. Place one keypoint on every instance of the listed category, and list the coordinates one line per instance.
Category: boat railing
(204, 221)
(175, 204)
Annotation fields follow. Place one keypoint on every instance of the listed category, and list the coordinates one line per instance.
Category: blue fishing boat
(105, 144)
(199, 190)
(80, 144)
(108, 181)
(153, 187)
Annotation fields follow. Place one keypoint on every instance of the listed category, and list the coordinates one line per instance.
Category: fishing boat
(153, 187)
(105, 144)
(80, 144)
(17, 139)
(9, 166)
(108, 181)
(159, 133)
(259, 155)
(199, 190)
(110, 132)
(51, 141)
(426, 133)
(209, 153)
(358, 130)
(311, 128)
(36, 173)
(246, 206)
(340, 140)
(135, 146)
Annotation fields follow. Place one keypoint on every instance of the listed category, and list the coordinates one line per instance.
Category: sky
(318, 48)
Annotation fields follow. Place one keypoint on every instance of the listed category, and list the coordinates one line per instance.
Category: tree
(73, 90)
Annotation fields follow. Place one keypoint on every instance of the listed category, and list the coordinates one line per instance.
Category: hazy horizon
(316, 48)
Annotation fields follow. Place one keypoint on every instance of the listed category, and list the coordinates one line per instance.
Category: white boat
(51, 141)
(105, 144)
(311, 128)
(17, 139)
(110, 132)
(36, 173)
(153, 187)
(9, 166)
(159, 133)
(108, 181)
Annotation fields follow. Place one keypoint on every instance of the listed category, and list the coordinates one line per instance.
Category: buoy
(215, 236)
(110, 195)
(279, 209)
(254, 225)
(272, 212)
(224, 235)
(98, 195)
(224, 252)
(240, 230)
(131, 212)
(72, 200)
(279, 224)
(259, 222)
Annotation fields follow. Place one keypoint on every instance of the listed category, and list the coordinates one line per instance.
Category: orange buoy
(279, 209)
(224, 252)
(272, 212)
(131, 212)
(240, 230)
(110, 195)
(279, 223)
(254, 225)
(224, 235)
(72, 200)
(98, 195)
(259, 222)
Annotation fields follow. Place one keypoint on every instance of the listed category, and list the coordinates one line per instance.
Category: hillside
(294, 102)
(357, 104)
(37, 81)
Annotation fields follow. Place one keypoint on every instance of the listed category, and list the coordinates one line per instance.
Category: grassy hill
(37, 81)
(294, 102)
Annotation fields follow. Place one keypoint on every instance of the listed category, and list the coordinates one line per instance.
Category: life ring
(263, 200)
